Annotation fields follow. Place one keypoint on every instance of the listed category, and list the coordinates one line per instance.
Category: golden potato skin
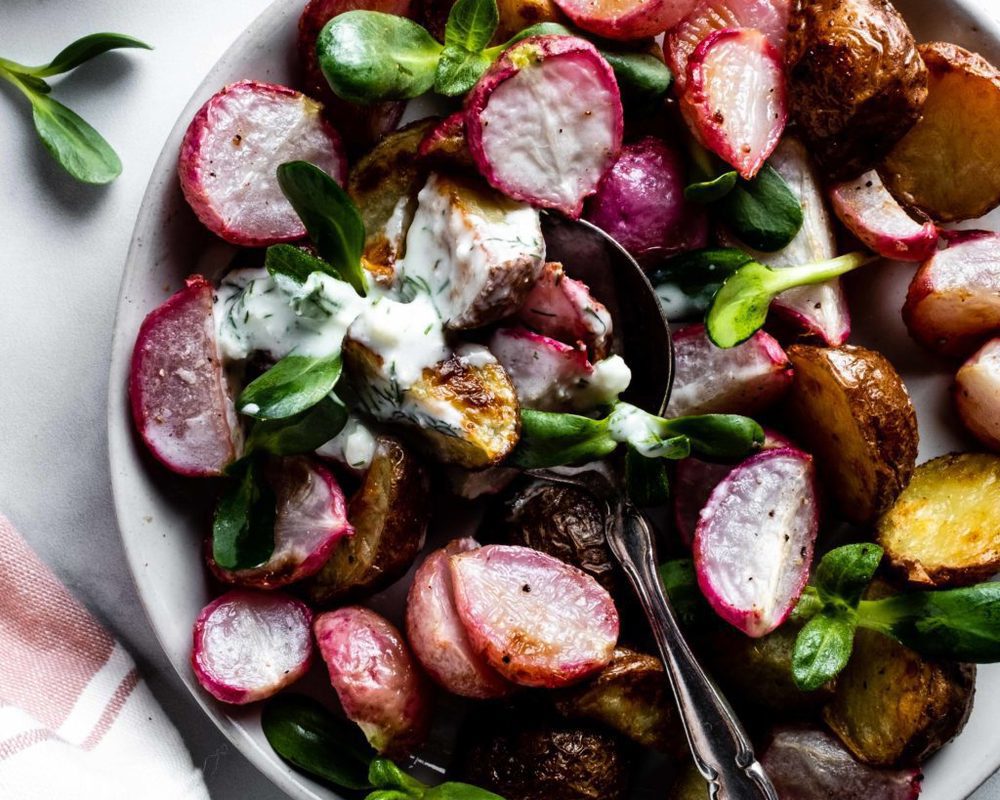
(850, 409)
(948, 164)
(856, 82)
(944, 529)
(389, 513)
(891, 707)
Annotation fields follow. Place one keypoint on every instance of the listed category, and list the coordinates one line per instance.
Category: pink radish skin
(868, 211)
(437, 635)
(249, 645)
(977, 394)
(536, 620)
(695, 479)
(373, 672)
(754, 542)
(953, 303)
(770, 17)
(735, 101)
(641, 203)
(634, 19)
(181, 403)
(311, 518)
(543, 370)
(231, 152)
(563, 308)
(739, 380)
(545, 122)
(811, 764)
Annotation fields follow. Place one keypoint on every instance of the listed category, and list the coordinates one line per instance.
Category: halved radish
(734, 101)
(563, 308)
(536, 620)
(953, 303)
(626, 19)
(180, 400)
(737, 380)
(311, 517)
(373, 672)
(868, 211)
(977, 394)
(770, 17)
(545, 122)
(231, 152)
(754, 542)
(437, 635)
(249, 645)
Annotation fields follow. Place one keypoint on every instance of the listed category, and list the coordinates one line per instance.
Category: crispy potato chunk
(948, 164)
(389, 513)
(944, 529)
(892, 707)
(850, 410)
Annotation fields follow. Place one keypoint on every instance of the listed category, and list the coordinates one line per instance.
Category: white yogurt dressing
(631, 425)
(354, 446)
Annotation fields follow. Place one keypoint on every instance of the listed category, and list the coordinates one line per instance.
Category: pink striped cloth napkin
(76, 719)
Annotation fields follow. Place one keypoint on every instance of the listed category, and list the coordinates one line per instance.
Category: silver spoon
(720, 746)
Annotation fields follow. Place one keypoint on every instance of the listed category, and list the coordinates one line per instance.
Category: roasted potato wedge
(516, 15)
(948, 164)
(389, 513)
(850, 409)
(944, 529)
(856, 81)
(631, 695)
(892, 707)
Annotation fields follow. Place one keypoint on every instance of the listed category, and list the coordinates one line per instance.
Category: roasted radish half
(754, 541)
(310, 518)
(734, 100)
(379, 685)
(545, 122)
(536, 620)
(563, 308)
(632, 19)
(231, 153)
(868, 211)
(180, 401)
(437, 635)
(953, 303)
(977, 394)
(248, 645)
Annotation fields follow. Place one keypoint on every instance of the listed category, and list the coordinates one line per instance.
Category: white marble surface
(62, 246)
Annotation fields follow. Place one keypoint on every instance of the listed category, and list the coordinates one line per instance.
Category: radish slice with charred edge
(180, 401)
(770, 17)
(632, 19)
(545, 122)
(311, 517)
(737, 380)
(977, 394)
(754, 541)
(563, 308)
(231, 153)
(536, 620)
(868, 211)
(437, 635)
(249, 645)
(735, 101)
(379, 685)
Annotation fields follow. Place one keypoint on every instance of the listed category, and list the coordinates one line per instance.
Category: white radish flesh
(977, 394)
(563, 308)
(754, 542)
(544, 372)
(248, 645)
(629, 20)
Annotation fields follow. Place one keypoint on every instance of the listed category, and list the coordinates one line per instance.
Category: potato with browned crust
(944, 529)
(389, 513)
(848, 407)
(948, 164)
(856, 81)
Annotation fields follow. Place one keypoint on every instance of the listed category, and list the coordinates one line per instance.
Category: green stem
(790, 277)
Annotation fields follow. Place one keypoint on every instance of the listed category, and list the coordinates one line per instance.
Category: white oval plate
(163, 520)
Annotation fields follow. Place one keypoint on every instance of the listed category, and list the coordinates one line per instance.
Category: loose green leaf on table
(822, 649)
(243, 524)
(83, 50)
(291, 386)
(301, 433)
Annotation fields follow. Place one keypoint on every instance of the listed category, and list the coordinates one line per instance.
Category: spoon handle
(721, 749)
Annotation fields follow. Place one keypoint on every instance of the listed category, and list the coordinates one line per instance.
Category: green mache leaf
(822, 650)
(391, 794)
(453, 790)
(550, 439)
(82, 50)
(26, 82)
(291, 386)
(295, 263)
(368, 56)
(302, 433)
(332, 220)
(471, 24)
(681, 586)
(538, 29)
(697, 275)
(384, 774)
(844, 573)
(243, 524)
(762, 212)
(711, 189)
(78, 148)
(646, 479)
(459, 70)
(310, 738)
(719, 437)
(638, 74)
(809, 605)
